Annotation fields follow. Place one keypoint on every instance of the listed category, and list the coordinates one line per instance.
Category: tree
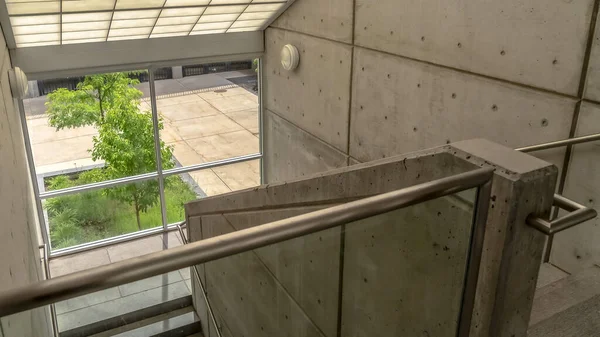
(125, 140)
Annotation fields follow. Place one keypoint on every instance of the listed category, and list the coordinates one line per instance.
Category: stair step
(123, 310)
(579, 320)
(124, 319)
(182, 325)
(566, 293)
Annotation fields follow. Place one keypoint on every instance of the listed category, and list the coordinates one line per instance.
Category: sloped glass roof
(60, 22)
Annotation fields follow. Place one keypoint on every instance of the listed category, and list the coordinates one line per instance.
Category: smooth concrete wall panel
(330, 19)
(404, 271)
(579, 247)
(592, 91)
(21, 256)
(295, 153)
(315, 96)
(249, 299)
(399, 106)
(539, 43)
(305, 267)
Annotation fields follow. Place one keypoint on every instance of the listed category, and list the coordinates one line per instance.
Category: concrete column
(512, 252)
(177, 72)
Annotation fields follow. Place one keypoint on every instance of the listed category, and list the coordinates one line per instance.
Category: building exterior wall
(20, 263)
(384, 77)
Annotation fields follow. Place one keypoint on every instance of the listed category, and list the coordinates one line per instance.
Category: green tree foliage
(125, 140)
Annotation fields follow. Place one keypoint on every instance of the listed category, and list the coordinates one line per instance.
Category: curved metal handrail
(579, 214)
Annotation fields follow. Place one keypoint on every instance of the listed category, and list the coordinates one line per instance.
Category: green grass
(91, 216)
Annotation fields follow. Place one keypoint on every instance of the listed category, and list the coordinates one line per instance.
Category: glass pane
(209, 112)
(114, 305)
(403, 273)
(99, 214)
(97, 122)
(183, 188)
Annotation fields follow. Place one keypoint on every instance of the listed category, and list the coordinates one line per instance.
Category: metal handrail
(579, 214)
(200, 283)
(559, 143)
(84, 282)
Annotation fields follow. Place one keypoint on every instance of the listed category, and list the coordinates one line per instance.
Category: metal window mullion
(112, 15)
(206, 166)
(261, 137)
(60, 22)
(95, 186)
(34, 182)
(159, 166)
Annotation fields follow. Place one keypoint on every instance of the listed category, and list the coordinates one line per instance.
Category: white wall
(384, 77)
(20, 256)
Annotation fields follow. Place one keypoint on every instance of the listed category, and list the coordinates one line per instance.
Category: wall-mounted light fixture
(290, 58)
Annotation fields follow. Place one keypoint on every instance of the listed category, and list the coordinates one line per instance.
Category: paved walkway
(201, 124)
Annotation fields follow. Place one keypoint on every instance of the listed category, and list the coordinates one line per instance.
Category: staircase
(566, 305)
(174, 318)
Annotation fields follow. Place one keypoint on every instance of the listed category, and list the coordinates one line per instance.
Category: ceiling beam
(80, 59)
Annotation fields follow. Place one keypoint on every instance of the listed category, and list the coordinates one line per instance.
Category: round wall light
(290, 57)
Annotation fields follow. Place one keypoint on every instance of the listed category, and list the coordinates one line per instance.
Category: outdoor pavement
(126, 298)
(206, 118)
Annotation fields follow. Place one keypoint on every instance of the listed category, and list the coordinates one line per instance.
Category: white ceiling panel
(52, 22)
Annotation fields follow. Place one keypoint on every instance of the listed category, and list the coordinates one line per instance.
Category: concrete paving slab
(169, 134)
(188, 110)
(82, 261)
(150, 283)
(205, 126)
(87, 300)
(65, 150)
(173, 100)
(237, 73)
(233, 103)
(121, 306)
(210, 182)
(241, 175)
(135, 248)
(246, 118)
(225, 145)
(42, 132)
(203, 81)
(185, 154)
(222, 93)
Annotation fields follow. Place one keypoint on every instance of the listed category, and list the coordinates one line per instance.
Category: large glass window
(94, 145)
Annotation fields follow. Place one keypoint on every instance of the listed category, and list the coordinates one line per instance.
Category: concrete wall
(384, 77)
(294, 288)
(20, 262)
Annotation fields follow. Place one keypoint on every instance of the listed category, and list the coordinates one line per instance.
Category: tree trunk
(137, 215)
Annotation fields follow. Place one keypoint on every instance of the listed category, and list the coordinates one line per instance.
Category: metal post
(261, 129)
(36, 190)
(159, 168)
